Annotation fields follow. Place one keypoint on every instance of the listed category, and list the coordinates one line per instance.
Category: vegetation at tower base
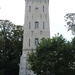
(11, 37)
(70, 22)
(55, 56)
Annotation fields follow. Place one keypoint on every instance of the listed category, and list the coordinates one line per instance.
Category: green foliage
(11, 37)
(70, 22)
(53, 56)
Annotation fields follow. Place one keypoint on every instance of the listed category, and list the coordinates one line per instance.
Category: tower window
(41, 32)
(43, 8)
(32, 32)
(40, 16)
(29, 25)
(43, 25)
(36, 41)
(36, 8)
(36, 25)
(29, 8)
(29, 42)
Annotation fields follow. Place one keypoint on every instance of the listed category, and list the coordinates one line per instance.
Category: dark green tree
(11, 46)
(53, 57)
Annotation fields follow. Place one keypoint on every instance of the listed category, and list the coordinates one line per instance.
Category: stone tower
(36, 27)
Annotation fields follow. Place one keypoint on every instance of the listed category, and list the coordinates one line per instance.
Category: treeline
(11, 38)
(53, 56)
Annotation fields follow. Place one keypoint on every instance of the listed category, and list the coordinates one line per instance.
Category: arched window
(36, 41)
(36, 25)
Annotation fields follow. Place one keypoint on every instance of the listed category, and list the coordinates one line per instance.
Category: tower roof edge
(37, 0)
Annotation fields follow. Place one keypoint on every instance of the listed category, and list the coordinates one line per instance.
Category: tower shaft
(36, 27)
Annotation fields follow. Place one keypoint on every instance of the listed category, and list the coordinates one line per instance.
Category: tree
(52, 56)
(11, 37)
(70, 22)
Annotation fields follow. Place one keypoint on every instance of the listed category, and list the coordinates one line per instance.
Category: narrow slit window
(29, 25)
(29, 42)
(29, 8)
(43, 25)
(43, 8)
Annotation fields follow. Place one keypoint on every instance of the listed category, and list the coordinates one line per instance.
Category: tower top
(37, 0)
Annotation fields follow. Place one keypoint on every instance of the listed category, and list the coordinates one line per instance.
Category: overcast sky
(13, 10)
